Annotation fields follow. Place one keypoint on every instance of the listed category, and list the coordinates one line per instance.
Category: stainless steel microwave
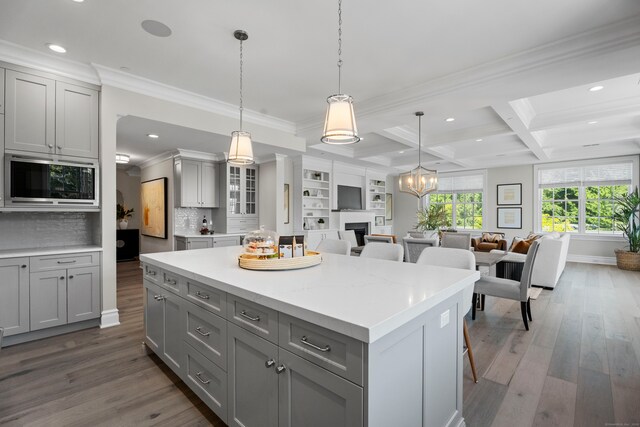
(32, 181)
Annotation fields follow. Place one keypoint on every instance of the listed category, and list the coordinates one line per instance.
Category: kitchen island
(351, 342)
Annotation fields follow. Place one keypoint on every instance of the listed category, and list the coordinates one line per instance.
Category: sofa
(549, 263)
(489, 241)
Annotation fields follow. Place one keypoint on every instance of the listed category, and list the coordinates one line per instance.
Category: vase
(123, 224)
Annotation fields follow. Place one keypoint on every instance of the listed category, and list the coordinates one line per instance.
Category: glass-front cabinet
(235, 194)
(242, 191)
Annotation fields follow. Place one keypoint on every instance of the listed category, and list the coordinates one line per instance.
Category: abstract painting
(153, 195)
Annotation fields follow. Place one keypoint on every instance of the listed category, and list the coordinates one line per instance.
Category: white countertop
(360, 297)
(195, 234)
(54, 250)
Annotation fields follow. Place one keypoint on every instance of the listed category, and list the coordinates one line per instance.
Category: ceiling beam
(627, 107)
(518, 115)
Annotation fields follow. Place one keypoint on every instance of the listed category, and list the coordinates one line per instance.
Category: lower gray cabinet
(83, 294)
(207, 380)
(48, 299)
(253, 382)
(14, 295)
(163, 325)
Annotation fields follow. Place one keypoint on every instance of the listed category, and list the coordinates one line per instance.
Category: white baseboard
(109, 318)
(589, 259)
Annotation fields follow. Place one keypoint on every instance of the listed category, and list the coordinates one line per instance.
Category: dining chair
(510, 289)
(414, 247)
(390, 251)
(350, 236)
(333, 246)
(456, 240)
(381, 239)
(455, 258)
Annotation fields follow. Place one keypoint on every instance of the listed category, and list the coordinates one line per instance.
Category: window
(462, 197)
(580, 198)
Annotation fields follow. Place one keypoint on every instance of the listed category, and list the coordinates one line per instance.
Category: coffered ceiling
(515, 75)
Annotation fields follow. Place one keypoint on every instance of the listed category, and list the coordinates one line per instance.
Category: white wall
(164, 169)
(510, 175)
(129, 186)
(405, 207)
(268, 195)
(287, 169)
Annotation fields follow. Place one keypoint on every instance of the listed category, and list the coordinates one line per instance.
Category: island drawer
(56, 262)
(152, 273)
(207, 380)
(171, 281)
(335, 352)
(207, 333)
(209, 298)
(253, 317)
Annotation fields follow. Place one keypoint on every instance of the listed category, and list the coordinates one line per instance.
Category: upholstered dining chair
(510, 289)
(455, 258)
(381, 239)
(350, 236)
(414, 247)
(390, 251)
(456, 240)
(332, 246)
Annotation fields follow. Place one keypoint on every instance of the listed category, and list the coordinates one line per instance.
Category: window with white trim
(580, 198)
(463, 199)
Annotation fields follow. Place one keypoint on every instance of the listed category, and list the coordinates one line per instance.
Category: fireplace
(361, 229)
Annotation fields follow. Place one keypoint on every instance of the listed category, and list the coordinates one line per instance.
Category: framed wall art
(379, 221)
(153, 197)
(509, 194)
(510, 218)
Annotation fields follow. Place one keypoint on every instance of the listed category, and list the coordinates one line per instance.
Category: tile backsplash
(189, 220)
(26, 230)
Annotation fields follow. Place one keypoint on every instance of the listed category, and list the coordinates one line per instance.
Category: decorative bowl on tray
(261, 243)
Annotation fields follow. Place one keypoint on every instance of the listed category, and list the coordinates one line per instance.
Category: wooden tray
(252, 262)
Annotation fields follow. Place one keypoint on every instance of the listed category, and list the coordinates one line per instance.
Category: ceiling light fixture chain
(339, 46)
(241, 75)
(419, 181)
(241, 148)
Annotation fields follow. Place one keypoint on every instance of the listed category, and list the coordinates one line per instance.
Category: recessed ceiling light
(125, 68)
(401, 152)
(156, 28)
(596, 88)
(592, 122)
(153, 136)
(479, 140)
(449, 119)
(79, 1)
(56, 48)
(122, 158)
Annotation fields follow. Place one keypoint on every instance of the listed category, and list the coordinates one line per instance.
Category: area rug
(534, 293)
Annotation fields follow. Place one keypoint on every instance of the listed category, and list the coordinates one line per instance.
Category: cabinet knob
(61, 277)
(280, 369)
(59, 147)
(50, 145)
(71, 277)
(269, 363)
(23, 266)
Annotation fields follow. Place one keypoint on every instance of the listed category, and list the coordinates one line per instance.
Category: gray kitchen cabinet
(187, 243)
(223, 241)
(29, 113)
(196, 184)
(83, 294)
(309, 395)
(1, 90)
(76, 121)
(1, 161)
(252, 379)
(164, 324)
(48, 299)
(239, 186)
(14, 295)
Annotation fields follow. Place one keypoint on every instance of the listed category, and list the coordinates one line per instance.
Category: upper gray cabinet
(30, 113)
(51, 117)
(1, 90)
(196, 184)
(76, 121)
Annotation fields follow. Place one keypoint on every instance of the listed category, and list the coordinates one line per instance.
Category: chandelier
(419, 181)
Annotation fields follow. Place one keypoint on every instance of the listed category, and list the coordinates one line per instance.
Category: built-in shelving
(316, 189)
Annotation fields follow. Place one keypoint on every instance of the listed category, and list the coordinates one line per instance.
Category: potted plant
(431, 219)
(627, 220)
(321, 223)
(122, 213)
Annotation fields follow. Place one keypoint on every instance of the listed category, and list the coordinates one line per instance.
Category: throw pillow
(522, 247)
(514, 242)
(533, 236)
(491, 238)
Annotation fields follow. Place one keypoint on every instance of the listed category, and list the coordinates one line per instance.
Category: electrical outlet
(444, 319)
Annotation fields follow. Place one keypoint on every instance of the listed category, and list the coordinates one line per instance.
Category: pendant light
(419, 181)
(241, 149)
(340, 121)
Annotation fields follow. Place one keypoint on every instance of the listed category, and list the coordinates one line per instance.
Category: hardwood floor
(578, 365)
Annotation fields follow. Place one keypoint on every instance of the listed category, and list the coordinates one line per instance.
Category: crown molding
(142, 85)
(157, 159)
(606, 39)
(32, 58)
(198, 155)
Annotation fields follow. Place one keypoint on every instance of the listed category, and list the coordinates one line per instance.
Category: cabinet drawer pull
(305, 341)
(172, 282)
(159, 297)
(269, 363)
(151, 272)
(23, 266)
(204, 334)
(67, 262)
(248, 316)
(201, 295)
(280, 369)
(200, 378)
